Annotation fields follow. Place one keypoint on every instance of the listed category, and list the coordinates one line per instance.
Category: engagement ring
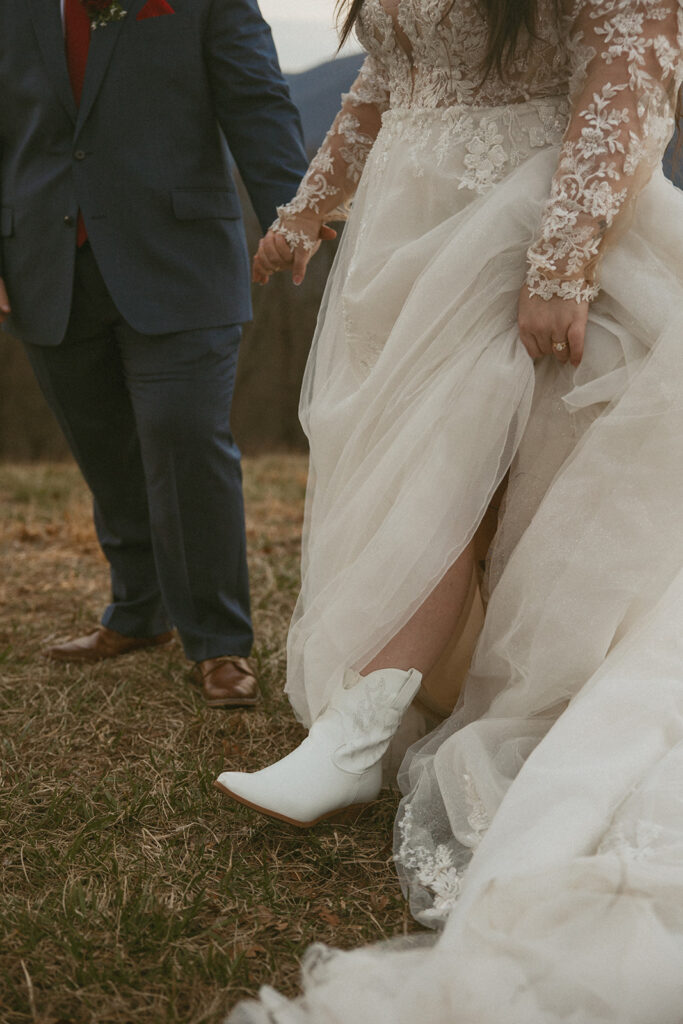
(559, 346)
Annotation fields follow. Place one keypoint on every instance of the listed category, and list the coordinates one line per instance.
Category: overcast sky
(304, 31)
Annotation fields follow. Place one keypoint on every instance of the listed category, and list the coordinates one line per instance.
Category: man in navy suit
(123, 269)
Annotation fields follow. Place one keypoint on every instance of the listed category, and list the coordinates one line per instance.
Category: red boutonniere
(101, 12)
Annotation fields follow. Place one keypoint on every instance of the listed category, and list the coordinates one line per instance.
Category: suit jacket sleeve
(261, 124)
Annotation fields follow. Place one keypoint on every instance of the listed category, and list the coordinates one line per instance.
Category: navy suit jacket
(145, 159)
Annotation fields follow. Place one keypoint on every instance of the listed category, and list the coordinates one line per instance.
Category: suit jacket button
(69, 221)
(79, 154)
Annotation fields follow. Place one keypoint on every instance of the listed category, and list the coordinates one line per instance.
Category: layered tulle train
(543, 823)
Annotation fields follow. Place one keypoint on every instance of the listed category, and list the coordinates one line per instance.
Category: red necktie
(77, 36)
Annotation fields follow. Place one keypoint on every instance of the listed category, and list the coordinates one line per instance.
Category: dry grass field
(130, 892)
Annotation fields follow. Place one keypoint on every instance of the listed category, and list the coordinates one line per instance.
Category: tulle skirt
(542, 829)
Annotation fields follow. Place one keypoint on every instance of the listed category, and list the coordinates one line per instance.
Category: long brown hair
(506, 20)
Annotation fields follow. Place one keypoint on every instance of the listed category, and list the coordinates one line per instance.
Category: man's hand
(5, 308)
(545, 324)
(274, 254)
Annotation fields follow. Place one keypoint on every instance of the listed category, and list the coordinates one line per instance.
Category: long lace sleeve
(334, 172)
(626, 59)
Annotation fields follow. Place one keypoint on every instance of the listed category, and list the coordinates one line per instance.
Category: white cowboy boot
(337, 767)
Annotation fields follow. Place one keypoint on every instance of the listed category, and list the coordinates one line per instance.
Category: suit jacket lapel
(47, 22)
(102, 45)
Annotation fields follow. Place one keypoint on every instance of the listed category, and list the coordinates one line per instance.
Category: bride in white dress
(542, 830)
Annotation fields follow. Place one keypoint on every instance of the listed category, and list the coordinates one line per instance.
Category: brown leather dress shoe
(103, 643)
(227, 682)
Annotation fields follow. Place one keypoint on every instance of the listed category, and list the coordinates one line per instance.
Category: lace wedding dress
(542, 831)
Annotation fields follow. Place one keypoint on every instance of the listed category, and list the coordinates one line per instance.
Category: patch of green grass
(130, 891)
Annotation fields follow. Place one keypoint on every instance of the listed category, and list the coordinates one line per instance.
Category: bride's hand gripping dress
(543, 827)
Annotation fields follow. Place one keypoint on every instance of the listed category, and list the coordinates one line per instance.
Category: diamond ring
(559, 346)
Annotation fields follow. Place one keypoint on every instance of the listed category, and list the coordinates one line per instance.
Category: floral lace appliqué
(494, 142)
(334, 172)
(626, 72)
(434, 870)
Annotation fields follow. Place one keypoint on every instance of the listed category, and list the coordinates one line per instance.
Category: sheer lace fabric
(625, 73)
(616, 60)
(335, 171)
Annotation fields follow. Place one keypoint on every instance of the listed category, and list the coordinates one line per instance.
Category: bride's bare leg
(422, 640)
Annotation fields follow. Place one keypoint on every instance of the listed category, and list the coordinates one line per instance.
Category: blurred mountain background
(275, 345)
